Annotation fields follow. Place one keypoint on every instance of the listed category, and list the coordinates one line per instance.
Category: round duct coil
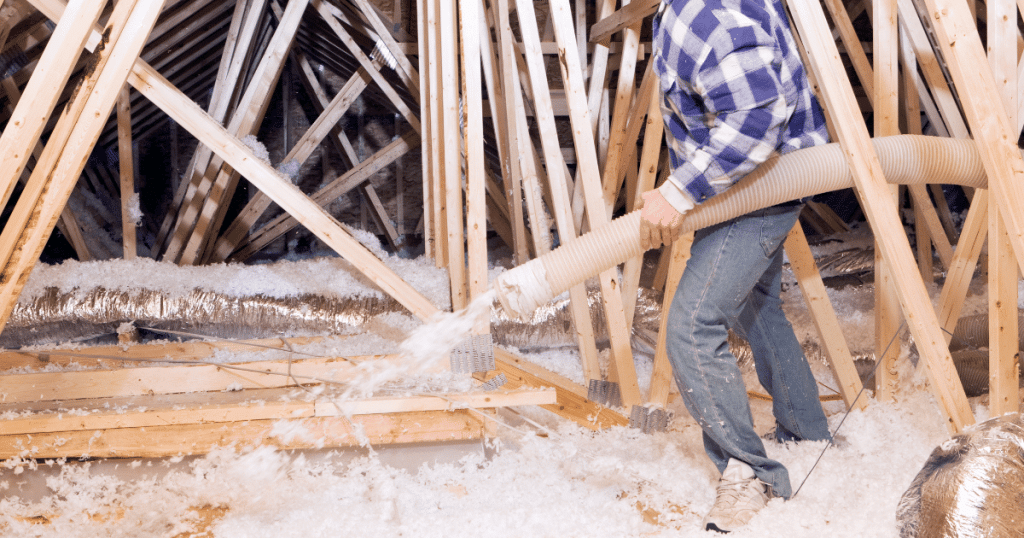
(972, 486)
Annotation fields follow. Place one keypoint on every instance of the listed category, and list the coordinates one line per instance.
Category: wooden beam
(407, 72)
(1003, 339)
(625, 88)
(233, 236)
(885, 46)
(238, 46)
(67, 224)
(653, 138)
(191, 439)
(351, 179)
(451, 146)
(327, 13)
(306, 211)
(579, 308)
(626, 17)
(661, 374)
(572, 402)
(514, 177)
(426, 152)
(50, 76)
(119, 356)
(127, 166)
(218, 183)
(70, 144)
(880, 210)
(582, 131)
(830, 334)
(473, 142)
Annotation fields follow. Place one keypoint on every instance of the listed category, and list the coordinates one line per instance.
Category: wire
(871, 374)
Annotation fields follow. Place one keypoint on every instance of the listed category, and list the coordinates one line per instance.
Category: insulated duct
(972, 486)
(905, 159)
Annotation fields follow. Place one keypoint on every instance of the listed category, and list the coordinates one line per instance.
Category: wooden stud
(1002, 273)
(617, 150)
(881, 212)
(854, 50)
(513, 177)
(351, 179)
(127, 157)
(426, 152)
(582, 130)
(661, 375)
(451, 152)
(653, 138)
(578, 299)
(63, 159)
(886, 119)
(626, 17)
(49, 77)
(830, 334)
(473, 142)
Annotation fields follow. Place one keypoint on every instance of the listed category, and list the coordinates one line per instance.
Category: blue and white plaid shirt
(734, 91)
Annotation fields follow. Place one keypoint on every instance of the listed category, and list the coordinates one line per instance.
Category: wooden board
(880, 210)
(191, 439)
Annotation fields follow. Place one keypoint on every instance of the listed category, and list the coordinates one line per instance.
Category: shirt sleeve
(738, 92)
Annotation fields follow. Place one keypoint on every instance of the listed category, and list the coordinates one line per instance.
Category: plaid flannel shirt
(734, 91)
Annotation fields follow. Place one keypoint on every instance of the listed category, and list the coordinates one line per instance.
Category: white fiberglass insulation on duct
(566, 482)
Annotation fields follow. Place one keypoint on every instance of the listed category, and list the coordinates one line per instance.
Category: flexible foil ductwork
(971, 332)
(55, 317)
(972, 486)
(905, 159)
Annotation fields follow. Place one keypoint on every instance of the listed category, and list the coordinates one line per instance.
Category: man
(734, 92)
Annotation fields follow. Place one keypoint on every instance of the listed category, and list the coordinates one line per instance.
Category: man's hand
(659, 221)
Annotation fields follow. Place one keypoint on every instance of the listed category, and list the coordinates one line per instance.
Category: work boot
(740, 495)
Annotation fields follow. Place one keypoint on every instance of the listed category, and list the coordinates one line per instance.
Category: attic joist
(201, 438)
(120, 356)
(876, 201)
(241, 406)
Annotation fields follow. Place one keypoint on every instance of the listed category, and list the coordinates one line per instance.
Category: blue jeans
(733, 281)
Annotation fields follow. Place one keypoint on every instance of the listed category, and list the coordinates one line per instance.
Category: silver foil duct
(972, 486)
(76, 316)
(56, 317)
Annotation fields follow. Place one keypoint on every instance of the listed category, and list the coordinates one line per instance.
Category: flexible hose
(905, 160)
